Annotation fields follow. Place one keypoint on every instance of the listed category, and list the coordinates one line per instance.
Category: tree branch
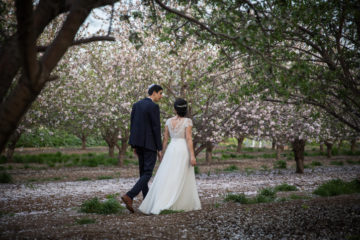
(81, 41)
(27, 39)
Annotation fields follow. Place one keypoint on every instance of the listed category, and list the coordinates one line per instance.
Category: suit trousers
(147, 160)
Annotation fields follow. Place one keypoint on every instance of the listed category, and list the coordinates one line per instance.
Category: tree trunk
(111, 150)
(209, 148)
(329, 146)
(12, 144)
(83, 141)
(353, 145)
(199, 149)
(35, 71)
(14, 108)
(122, 151)
(279, 149)
(240, 141)
(111, 137)
(273, 144)
(299, 149)
(321, 148)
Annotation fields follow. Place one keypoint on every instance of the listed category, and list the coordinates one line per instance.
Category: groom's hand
(135, 152)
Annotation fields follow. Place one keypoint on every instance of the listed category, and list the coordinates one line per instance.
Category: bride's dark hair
(180, 106)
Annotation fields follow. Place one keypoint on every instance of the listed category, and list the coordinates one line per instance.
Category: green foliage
(280, 164)
(84, 179)
(349, 161)
(2, 159)
(247, 156)
(338, 187)
(264, 168)
(337, 163)
(104, 177)
(5, 177)
(68, 160)
(231, 168)
(197, 170)
(44, 137)
(264, 196)
(296, 197)
(239, 198)
(82, 221)
(115, 195)
(169, 211)
(315, 163)
(249, 171)
(269, 155)
(285, 188)
(267, 192)
(110, 206)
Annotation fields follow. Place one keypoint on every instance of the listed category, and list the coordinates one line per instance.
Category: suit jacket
(145, 129)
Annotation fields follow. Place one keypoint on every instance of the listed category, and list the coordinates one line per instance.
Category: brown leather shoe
(128, 202)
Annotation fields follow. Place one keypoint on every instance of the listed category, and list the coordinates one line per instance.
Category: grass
(285, 188)
(264, 195)
(295, 197)
(197, 170)
(246, 156)
(68, 160)
(239, 198)
(169, 211)
(115, 195)
(216, 205)
(269, 155)
(280, 164)
(337, 163)
(249, 171)
(338, 187)
(82, 221)
(225, 156)
(44, 137)
(49, 179)
(84, 179)
(110, 206)
(231, 168)
(349, 161)
(104, 177)
(315, 163)
(264, 168)
(5, 177)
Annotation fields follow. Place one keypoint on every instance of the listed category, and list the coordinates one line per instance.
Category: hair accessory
(150, 86)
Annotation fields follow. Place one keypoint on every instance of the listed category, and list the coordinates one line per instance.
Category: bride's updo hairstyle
(180, 106)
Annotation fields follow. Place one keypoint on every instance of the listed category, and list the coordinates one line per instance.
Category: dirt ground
(44, 204)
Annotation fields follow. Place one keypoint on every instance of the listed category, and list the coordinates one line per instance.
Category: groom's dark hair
(155, 88)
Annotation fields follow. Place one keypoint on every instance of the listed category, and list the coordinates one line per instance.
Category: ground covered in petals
(49, 208)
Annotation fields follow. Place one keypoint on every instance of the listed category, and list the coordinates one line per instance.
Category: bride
(174, 185)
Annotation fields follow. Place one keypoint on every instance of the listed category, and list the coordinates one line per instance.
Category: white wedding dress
(174, 185)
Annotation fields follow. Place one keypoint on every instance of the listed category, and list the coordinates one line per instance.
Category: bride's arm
(165, 140)
(189, 142)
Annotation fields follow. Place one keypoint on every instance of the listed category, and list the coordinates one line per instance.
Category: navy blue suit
(145, 129)
(145, 137)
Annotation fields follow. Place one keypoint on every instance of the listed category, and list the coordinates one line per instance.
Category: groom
(145, 139)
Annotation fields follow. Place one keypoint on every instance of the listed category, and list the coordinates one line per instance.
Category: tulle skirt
(174, 185)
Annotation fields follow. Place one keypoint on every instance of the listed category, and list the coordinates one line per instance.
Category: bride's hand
(160, 156)
(193, 161)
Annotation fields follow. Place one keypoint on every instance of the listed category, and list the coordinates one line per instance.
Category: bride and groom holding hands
(174, 186)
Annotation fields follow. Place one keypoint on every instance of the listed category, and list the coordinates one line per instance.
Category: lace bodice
(177, 128)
